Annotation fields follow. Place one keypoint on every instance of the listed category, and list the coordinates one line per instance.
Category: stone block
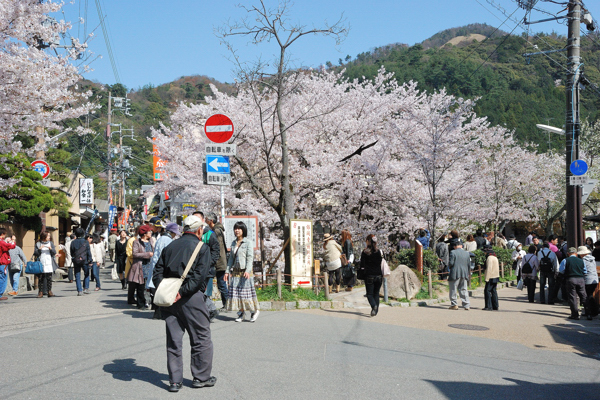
(404, 305)
(395, 304)
(396, 283)
(290, 305)
(314, 304)
(302, 304)
(265, 305)
(348, 304)
(278, 305)
(325, 304)
(337, 304)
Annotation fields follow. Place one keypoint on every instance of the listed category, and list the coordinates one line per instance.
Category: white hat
(583, 250)
(192, 224)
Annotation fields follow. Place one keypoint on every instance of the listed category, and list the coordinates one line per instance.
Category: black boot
(123, 284)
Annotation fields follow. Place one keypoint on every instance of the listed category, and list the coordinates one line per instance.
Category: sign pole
(222, 204)
(573, 200)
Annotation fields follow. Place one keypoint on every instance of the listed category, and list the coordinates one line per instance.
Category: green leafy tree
(24, 201)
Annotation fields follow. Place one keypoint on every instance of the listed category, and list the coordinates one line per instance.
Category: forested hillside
(513, 91)
(150, 106)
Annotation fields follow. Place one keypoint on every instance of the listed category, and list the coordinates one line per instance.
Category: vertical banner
(86, 191)
(112, 213)
(301, 242)
(158, 163)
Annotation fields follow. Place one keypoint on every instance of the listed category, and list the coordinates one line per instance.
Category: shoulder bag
(385, 268)
(34, 267)
(167, 290)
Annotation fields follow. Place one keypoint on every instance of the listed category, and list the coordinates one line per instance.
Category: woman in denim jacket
(239, 275)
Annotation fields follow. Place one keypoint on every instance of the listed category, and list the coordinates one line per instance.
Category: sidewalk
(533, 325)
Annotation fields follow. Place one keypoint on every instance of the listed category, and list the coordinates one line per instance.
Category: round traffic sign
(578, 167)
(42, 167)
(218, 128)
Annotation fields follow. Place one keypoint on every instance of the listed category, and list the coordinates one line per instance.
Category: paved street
(96, 347)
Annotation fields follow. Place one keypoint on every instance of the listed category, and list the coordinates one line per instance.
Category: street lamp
(550, 129)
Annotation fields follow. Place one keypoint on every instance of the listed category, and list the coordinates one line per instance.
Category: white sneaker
(240, 317)
(254, 316)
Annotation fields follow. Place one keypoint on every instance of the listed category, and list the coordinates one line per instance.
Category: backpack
(206, 237)
(526, 268)
(545, 263)
(80, 255)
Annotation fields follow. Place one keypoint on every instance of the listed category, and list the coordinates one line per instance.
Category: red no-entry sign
(42, 167)
(218, 128)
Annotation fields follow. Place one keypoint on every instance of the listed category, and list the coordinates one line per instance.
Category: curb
(336, 305)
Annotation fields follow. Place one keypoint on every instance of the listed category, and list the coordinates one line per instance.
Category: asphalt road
(96, 347)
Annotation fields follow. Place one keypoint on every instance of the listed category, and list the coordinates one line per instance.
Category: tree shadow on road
(127, 370)
(579, 336)
(514, 389)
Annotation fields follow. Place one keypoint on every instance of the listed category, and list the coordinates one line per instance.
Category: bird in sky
(359, 151)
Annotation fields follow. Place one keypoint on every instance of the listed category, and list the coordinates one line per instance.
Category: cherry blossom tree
(37, 88)
(515, 181)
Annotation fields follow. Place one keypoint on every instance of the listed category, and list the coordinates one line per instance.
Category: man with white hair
(189, 312)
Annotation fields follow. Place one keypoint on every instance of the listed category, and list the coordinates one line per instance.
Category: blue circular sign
(578, 167)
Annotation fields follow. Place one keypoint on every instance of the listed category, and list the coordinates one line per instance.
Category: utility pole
(574, 223)
(108, 139)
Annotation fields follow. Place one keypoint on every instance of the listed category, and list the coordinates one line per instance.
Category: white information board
(591, 234)
(251, 222)
(86, 191)
(301, 241)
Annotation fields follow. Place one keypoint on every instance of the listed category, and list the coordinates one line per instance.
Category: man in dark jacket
(459, 267)
(81, 257)
(574, 270)
(221, 265)
(479, 239)
(189, 312)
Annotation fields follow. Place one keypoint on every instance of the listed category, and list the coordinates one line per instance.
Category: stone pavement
(96, 347)
(534, 325)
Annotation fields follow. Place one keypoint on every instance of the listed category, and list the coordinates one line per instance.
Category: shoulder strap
(192, 259)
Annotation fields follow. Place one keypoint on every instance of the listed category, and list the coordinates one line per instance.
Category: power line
(107, 41)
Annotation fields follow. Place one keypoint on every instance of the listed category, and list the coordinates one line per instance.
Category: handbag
(344, 260)
(34, 268)
(385, 268)
(167, 290)
(520, 284)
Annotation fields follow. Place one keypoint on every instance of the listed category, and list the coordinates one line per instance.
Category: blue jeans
(222, 285)
(3, 279)
(14, 280)
(209, 287)
(86, 280)
(96, 272)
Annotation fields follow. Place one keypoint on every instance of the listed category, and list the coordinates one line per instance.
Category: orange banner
(158, 164)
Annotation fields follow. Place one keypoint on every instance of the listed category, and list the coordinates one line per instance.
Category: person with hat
(189, 311)
(591, 280)
(171, 232)
(573, 271)
(512, 242)
(492, 276)
(157, 226)
(333, 262)
(142, 250)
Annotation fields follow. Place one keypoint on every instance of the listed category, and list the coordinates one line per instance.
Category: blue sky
(157, 41)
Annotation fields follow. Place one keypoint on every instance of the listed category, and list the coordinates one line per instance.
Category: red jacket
(4, 248)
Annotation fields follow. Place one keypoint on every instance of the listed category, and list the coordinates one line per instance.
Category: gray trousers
(189, 314)
(461, 285)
